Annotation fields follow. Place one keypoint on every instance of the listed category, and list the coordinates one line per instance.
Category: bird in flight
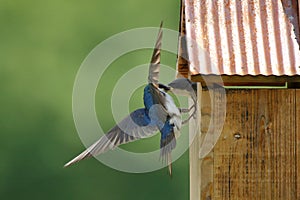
(159, 114)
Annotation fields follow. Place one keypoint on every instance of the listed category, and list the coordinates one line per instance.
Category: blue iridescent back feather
(165, 127)
(148, 98)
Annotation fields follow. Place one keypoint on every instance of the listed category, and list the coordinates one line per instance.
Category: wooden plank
(212, 102)
(245, 80)
(195, 163)
(206, 165)
(297, 142)
(256, 155)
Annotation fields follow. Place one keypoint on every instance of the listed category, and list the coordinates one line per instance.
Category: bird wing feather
(155, 60)
(135, 126)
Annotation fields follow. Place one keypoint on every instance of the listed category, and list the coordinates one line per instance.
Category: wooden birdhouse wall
(257, 155)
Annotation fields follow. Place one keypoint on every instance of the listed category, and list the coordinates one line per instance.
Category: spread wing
(155, 60)
(135, 126)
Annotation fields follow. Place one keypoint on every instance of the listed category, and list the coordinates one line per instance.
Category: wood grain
(206, 166)
(256, 155)
(297, 142)
(195, 162)
(202, 170)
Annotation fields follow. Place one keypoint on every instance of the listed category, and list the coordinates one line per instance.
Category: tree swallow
(159, 114)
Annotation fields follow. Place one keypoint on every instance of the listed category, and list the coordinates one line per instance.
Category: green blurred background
(42, 46)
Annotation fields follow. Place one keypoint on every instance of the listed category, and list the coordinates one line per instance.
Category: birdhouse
(245, 57)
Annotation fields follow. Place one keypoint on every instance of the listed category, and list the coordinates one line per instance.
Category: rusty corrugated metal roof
(248, 37)
(291, 10)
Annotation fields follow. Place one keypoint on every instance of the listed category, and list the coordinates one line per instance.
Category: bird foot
(186, 110)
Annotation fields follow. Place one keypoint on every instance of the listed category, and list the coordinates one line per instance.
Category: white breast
(170, 105)
(174, 113)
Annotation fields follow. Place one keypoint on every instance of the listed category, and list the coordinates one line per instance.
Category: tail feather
(170, 164)
(167, 146)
